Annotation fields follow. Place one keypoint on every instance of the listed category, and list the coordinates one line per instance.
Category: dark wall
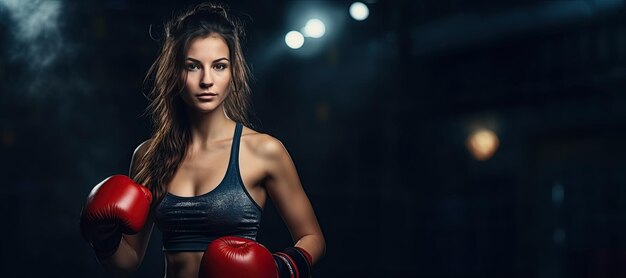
(375, 116)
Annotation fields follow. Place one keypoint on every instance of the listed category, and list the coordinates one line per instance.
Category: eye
(220, 66)
(192, 66)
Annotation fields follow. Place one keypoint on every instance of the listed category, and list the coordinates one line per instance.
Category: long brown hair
(171, 135)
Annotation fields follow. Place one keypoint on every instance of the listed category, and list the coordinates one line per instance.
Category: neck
(207, 128)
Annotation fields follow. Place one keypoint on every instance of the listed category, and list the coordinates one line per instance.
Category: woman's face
(208, 72)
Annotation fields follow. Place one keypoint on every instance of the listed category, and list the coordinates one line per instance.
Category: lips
(206, 96)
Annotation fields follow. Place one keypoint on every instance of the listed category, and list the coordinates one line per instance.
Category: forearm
(315, 245)
(123, 262)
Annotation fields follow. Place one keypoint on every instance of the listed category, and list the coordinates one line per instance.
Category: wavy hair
(170, 126)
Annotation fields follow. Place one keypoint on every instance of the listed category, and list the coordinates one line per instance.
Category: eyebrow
(214, 61)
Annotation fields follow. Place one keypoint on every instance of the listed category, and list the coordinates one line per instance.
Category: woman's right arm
(130, 253)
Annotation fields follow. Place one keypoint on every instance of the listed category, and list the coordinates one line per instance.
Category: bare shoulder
(142, 148)
(263, 145)
(138, 155)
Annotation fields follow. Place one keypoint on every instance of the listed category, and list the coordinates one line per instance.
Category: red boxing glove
(117, 205)
(235, 257)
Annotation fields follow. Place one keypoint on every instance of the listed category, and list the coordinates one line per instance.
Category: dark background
(375, 116)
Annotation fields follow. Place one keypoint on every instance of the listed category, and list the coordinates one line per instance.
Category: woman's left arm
(284, 187)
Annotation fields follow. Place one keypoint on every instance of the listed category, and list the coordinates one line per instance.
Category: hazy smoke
(37, 45)
(35, 30)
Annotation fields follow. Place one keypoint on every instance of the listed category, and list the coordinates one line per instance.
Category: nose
(206, 81)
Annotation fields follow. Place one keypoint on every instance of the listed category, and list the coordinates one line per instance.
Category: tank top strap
(234, 149)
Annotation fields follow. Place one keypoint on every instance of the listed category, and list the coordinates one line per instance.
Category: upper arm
(139, 241)
(138, 154)
(284, 187)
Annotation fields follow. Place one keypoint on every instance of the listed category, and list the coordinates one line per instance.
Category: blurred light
(8, 138)
(558, 193)
(294, 39)
(314, 28)
(323, 111)
(558, 236)
(482, 144)
(359, 11)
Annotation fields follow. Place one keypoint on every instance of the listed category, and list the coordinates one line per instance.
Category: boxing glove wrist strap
(293, 262)
(107, 247)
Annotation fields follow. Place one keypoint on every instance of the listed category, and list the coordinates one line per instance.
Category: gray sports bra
(191, 223)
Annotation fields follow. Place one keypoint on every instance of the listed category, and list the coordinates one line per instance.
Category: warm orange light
(8, 138)
(482, 144)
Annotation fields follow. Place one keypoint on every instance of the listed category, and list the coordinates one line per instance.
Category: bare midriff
(182, 264)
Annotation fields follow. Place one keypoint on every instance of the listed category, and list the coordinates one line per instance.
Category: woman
(208, 173)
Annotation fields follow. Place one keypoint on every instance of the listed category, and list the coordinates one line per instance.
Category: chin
(206, 108)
